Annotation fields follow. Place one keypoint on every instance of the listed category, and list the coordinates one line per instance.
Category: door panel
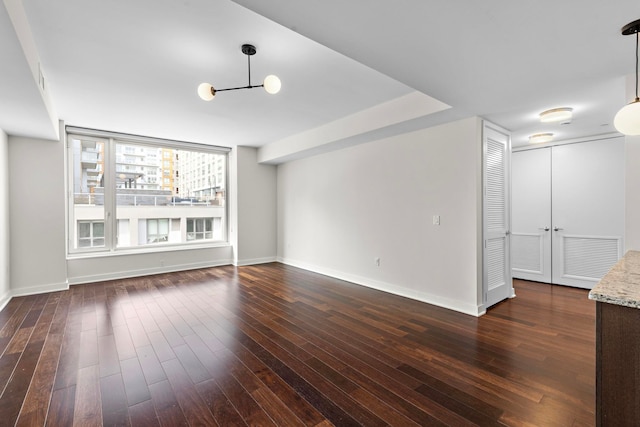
(588, 210)
(497, 284)
(531, 215)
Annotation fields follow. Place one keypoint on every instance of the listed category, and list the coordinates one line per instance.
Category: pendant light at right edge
(627, 121)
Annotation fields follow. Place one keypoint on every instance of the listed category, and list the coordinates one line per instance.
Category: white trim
(41, 289)
(97, 133)
(425, 297)
(145, 272)
(599, 137)
(4, 299)
(254, 261)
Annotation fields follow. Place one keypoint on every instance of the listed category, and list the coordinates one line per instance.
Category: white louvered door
(497, 283)
(588, 210)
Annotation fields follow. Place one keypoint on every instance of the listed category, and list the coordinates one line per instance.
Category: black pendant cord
(249, 85)
(637, 37)
(249, 66)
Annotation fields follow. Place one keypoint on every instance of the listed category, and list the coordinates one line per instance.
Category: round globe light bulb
(627, 121)
(272, 84)
(206, 91)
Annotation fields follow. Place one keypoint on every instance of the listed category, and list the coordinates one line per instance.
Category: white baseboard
(41, 289)
(4, 299)
(254, 261)
(448, 303)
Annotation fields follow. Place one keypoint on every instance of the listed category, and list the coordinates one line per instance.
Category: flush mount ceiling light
(271, 83)
(627, 121)
(562, 115)
(540, 138)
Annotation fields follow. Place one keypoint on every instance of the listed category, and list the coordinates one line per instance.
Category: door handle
(557, 228)
(545, 229)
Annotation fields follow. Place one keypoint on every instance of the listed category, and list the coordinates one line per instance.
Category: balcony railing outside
(128, 199)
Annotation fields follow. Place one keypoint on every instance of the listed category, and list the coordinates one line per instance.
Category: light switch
(436, 220)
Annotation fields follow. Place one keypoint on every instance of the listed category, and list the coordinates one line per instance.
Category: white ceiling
(133, 66)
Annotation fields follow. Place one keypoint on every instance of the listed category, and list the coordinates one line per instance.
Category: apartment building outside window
(91, 234)
(138, 193)
(203, 228)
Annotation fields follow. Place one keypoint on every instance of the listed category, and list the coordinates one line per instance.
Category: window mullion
(110, 196)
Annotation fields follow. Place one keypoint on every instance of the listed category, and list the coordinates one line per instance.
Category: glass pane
(152, 226)
(189, 225)
(208, 223)
(199, 225)
(84, 230)
(191, 236)
(163, 226)
(98, 229)
(86, 185)
(98, 242)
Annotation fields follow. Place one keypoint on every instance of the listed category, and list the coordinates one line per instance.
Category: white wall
(632, 193)
(254, 208)
(5, 234)
(123, 264)
(631, 180)
(339, 211)
(36, 194)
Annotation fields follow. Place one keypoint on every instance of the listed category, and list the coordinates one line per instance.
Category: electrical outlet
(436, 220)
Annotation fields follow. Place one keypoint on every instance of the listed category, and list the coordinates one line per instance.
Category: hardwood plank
(193, 407)
(114, 403)
(124, 343)
(161, 346)
(166, 405)
(143, 415)
(88, 348)
(108, 356)
(244, 403)
(150, 364)
(88, 402)
(67, 371)
(192, 365)
(135, 384)
(62, 407)
(221, 408)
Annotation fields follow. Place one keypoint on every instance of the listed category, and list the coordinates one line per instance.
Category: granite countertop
(621, 285)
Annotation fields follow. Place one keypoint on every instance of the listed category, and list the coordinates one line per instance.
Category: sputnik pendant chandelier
(271, 83)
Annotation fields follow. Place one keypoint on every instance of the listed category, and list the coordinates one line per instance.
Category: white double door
(568, 212)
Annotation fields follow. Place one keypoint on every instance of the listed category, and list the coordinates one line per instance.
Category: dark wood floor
(275, 345)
